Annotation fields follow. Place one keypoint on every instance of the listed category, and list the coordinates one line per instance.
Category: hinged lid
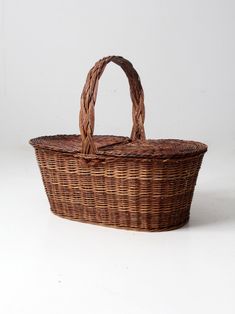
(73, 143)
(162, 148)
(122, 146)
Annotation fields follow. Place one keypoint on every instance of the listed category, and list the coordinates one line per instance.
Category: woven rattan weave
(122, 182)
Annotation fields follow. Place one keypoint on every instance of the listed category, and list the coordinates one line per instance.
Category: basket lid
(161, 148)
(122, 146)
(73, 143)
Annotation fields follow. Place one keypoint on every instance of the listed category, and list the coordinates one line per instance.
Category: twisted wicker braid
(88, 99)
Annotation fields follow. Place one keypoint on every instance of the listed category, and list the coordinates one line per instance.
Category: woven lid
(122, 146)
(162, 148)
(73, 143)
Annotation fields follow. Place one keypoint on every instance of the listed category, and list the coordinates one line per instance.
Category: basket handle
(88, 99)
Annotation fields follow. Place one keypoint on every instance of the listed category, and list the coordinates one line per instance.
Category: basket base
(173, 227)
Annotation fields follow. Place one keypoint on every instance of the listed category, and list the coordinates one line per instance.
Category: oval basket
(116, 181)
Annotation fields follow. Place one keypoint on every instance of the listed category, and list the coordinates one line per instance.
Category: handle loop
(88, 99)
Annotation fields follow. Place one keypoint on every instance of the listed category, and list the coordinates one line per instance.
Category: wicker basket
(122, 182)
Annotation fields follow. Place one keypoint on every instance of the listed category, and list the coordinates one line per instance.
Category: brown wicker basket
(122, 182)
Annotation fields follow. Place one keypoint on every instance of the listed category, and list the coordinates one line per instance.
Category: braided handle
(88, 99)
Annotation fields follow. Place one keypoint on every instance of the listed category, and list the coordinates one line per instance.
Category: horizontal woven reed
(121, 182)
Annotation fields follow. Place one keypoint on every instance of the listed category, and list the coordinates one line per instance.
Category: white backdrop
(184, 53)
(183, 50)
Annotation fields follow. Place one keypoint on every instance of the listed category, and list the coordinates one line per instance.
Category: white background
(184, 52)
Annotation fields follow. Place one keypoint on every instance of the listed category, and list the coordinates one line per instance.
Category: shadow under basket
(121, 182)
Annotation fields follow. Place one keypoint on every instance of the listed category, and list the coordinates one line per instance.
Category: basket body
(147, 194)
